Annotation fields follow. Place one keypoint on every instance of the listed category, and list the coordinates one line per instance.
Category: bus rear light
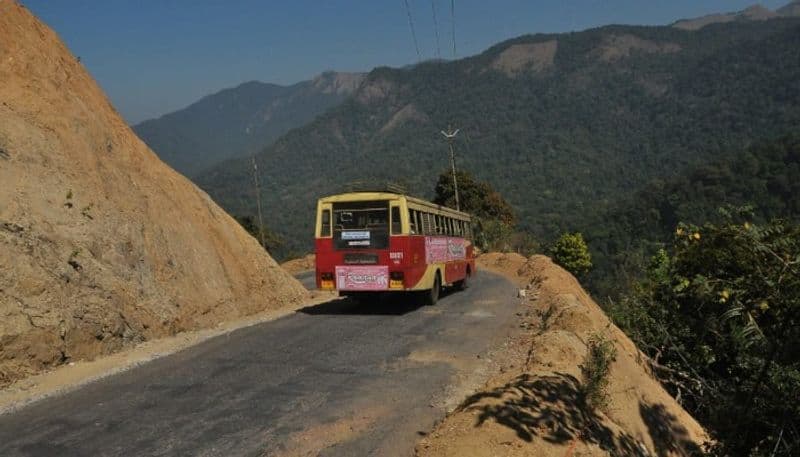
(326, 281)
(396, 280)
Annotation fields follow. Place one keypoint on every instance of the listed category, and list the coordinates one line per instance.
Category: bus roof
(413, 201)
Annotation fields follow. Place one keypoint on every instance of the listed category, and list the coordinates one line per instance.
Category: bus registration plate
(351, 277)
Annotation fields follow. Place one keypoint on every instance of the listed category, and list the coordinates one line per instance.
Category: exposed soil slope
(533, 406)
(101, 244)
(300, 265)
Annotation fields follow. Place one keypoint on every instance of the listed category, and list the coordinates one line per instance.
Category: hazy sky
(156, 56)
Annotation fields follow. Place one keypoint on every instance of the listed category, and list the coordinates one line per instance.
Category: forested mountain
(241, 120)
(563, 125)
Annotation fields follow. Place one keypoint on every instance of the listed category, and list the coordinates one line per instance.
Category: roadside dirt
(70, 376)
(532, 403)
(300, 265)
(103, 246)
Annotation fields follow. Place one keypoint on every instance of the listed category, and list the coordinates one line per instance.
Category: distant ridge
(240, 120)
(752, 13)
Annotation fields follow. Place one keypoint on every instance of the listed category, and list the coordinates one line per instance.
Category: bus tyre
(464, 283)
(432, 295)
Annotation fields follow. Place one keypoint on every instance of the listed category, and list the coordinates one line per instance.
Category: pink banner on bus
(444, 249)
(372, 277)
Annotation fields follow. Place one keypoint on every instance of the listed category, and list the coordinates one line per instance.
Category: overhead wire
(453, 24)
(436, 29)
(413, 32)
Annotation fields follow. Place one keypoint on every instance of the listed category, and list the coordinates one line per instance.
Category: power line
(453, 24)
(436, 29)
(413, 33)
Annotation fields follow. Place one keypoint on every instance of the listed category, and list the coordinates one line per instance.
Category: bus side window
(326, 223)
(412, 222)
(397, 227)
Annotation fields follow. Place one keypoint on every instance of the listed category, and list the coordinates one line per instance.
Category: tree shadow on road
(550, 407)
(668, 435)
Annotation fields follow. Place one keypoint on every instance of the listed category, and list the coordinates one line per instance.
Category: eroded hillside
(101, 244)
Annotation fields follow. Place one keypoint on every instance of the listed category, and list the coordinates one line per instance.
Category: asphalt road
(333, 379)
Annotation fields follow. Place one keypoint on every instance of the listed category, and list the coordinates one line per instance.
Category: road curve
(331, 379)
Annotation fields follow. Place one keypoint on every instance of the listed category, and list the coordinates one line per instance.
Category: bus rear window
(360, 225)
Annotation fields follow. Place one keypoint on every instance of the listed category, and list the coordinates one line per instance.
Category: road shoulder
(69, 377)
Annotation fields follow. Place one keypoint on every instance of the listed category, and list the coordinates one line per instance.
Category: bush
(720, 320)
(595, 369)
(571, 252)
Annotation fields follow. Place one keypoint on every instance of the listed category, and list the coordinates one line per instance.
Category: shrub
(571, 252)
(595, 369)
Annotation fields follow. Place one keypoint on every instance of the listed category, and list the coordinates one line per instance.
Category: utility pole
(258, 202)
(451, 136)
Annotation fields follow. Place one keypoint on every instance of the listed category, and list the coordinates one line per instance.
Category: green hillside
(766, 176)
(562, 125)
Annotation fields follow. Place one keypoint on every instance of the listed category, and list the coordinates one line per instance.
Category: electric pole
(451, 136)
(258, 202)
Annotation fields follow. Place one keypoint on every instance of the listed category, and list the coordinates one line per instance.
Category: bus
(370, 243)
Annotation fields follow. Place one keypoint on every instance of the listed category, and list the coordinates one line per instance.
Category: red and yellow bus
(369, 243)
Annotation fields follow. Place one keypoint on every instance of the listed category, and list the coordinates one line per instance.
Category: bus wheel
(464, 283)
(432, 295)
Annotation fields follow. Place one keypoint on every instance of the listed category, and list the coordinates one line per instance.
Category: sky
(157, 56)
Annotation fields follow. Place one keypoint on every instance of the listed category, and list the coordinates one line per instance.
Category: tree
(571, 252)
(475, 197)
(493, 218)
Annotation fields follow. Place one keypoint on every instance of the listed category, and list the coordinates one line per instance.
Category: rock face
(101, 244)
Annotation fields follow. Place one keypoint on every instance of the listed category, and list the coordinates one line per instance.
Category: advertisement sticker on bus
(456, 249)
(362, 277)
(435, 249)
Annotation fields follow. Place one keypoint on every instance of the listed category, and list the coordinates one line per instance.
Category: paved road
(308, 279)
(332, 379)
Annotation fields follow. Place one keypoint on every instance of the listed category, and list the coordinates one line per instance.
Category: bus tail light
(326, 281)
(396, 280)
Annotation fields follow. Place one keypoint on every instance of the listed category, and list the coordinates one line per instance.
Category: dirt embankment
(300, 265)
(533, 406)
(102, 246)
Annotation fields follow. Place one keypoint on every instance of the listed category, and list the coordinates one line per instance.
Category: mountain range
(563, 125)
(238, 121)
